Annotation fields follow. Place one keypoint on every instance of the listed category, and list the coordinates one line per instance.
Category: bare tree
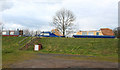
(63, 21)
(32, 32)
(38, 31)
(26, 32)
(117, 32)
(1, 28)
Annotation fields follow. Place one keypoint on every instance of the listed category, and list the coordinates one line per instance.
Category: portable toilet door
(36, 47)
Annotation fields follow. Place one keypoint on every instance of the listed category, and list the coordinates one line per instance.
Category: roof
(57, 32)
(107, 31)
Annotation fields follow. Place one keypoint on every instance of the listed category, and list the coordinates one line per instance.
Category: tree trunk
(63, 27)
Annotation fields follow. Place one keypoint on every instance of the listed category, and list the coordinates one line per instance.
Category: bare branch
(63, 20)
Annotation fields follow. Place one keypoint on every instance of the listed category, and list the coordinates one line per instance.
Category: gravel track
(51, 61)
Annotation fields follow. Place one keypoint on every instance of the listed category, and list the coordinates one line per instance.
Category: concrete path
(52, 61)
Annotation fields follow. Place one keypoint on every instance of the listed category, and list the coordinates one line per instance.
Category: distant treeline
(117, 32)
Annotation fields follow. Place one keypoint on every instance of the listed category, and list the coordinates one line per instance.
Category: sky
(38, 14)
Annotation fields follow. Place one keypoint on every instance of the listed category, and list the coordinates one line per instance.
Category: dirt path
(52, 61)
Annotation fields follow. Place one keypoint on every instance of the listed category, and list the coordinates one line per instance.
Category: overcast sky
(37, 14)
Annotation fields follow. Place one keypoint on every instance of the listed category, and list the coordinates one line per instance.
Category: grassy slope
(11, 52)
(82, 46)
(10, 44)
(104, 49)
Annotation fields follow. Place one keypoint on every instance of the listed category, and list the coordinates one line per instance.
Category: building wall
(16, 33)
(79, 33)
(6, 32)
(9, 32)
(103, 31)
(89, 33)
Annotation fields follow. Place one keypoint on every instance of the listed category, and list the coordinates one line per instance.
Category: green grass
(10, 44)
(11, 52)
(104, 49)
(80, 46)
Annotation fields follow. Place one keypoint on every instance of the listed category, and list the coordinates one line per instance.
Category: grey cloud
(89, 15)
(5, 4)
(25, 21)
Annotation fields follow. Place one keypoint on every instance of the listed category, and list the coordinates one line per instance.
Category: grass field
(81, 46)
(104, 49)
(11, 52)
